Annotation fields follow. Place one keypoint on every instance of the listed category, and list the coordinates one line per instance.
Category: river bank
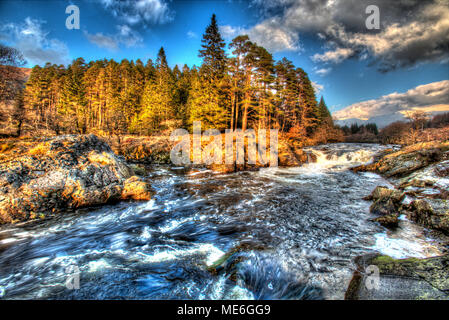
(204, 233)
(62, 173)
(420, 176)
(53, 174)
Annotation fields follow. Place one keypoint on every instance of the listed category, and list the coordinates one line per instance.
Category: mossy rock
(424, 214)
(411, 279)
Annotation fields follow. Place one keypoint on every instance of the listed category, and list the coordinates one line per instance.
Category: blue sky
(356, 70)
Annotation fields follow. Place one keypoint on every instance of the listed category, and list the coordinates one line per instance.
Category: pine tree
(213, 54)
(308, 113)
(158, 106)
(73, 100)
(246, 90)
(324, 116)
(208, 99)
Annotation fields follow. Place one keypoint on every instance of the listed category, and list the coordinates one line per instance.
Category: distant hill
(380, 121)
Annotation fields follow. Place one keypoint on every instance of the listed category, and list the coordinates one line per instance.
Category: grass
(40, 149)
(4, 147)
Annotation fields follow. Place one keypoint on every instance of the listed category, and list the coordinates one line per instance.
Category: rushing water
(298, 229)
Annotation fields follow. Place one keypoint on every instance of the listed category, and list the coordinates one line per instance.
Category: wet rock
(228, 261)
(65, 172)
(388, 221)
(420, 172)
(423, 213)
(137, 189)
(383, 206)
(138, 169)
(408, 159)
(383, 192)
(414, 279)
(387, 204)
(442, 169)
(428, 182)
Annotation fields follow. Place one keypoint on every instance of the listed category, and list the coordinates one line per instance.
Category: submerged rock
(62, 173)
(415, 279)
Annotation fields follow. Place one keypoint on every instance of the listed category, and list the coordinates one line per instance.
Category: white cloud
(317, 87)
(125, 35)
(272, 36)
(128, 37)
(335, 56)
(140, 11)
(229, 32)
(32, 40)
(191, 34)
(323, 71)
(101, 40)
(432, 97)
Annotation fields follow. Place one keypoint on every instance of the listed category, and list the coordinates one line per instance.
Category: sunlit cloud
(432, 97)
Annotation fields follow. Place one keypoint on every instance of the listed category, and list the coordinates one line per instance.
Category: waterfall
(342, 155)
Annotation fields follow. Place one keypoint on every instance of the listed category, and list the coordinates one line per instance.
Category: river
(298, 230)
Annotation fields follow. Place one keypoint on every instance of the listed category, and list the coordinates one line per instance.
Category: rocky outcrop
(420, 172)
(62, 173)
(411, 279)
(289, 156)
(434, 217)
(408, 159)
(144, 150)
(386, 204)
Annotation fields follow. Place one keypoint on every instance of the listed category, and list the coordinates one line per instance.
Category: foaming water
(297, 230)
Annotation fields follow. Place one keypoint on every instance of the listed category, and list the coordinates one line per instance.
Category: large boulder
(434, 217)
(62, 173)
(380, 277)
(381, 192)
(386, 204)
